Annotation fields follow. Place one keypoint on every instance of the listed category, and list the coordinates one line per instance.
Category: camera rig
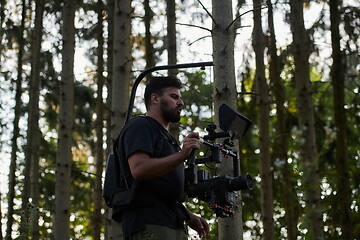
(220, 192)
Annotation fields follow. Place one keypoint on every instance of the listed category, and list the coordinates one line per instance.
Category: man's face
(171, 104)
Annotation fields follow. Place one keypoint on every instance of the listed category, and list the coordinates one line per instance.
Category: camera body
(220, 192)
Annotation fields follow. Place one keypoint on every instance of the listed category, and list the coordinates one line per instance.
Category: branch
(207, 11)
(190, 25)
(251, 93)
(199, 39)
(228, 27)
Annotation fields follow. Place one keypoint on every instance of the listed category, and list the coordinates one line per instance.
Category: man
(156, 164)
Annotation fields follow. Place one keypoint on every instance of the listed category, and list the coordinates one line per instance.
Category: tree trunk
(225, 92)
(122, 63)
(149, 48)
(287, 188)
(64, 156)
(171, 35)
(16, 135)
(120, 81)
(99, 150)
(311, 176)
(262, 89)
(109, 64)
(34, 134)
(342, 162)
(171, 51)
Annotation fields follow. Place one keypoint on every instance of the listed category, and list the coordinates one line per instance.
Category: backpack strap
(124, 197)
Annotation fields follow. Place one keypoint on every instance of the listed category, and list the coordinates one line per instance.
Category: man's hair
(157, 84)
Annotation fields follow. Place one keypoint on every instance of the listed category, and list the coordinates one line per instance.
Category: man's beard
(169, 114)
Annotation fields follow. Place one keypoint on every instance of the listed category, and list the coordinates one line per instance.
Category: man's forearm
(142, 166)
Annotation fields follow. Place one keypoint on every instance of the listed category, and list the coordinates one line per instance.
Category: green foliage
(198, 113)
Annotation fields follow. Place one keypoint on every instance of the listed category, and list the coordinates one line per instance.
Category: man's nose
(180, 102)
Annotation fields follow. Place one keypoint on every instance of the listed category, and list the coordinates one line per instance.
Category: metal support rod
(236, 160)
(202, 65)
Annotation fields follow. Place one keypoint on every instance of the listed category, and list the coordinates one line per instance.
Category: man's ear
(155, 99)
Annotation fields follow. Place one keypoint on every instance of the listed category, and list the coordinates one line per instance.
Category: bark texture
(225, 92)
(311, 176)
(64, 155)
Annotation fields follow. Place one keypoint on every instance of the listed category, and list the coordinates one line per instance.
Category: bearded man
(153, 162)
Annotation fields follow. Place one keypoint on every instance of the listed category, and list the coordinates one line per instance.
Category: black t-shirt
(156, 200)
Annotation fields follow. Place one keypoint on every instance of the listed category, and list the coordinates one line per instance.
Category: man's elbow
(138, 174)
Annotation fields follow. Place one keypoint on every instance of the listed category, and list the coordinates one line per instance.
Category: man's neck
(158, 118)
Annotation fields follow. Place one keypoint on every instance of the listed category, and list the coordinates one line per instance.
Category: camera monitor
(232, 120)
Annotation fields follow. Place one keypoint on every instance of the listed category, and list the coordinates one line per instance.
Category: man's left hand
(199, 225)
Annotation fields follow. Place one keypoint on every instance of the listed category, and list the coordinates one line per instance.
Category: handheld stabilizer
(220, 192)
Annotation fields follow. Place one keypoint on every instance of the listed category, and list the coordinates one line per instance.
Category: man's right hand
(191, 142)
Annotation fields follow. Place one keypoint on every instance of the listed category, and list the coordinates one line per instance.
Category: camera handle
(191, 170)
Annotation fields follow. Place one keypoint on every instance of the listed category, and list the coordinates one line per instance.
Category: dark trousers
(157, 232)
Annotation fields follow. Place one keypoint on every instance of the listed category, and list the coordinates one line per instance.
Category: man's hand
(199, 225)
(190, 143)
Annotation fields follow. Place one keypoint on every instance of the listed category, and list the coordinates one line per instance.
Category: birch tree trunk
(16, 135)
(225, 92)
(311, 176)
(64, 155)
(267, 199)
(99, 150)
(342, 161)
(287, 186)
(34, 134)
(120, 80)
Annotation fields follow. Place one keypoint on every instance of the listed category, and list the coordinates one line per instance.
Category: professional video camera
(219, 191)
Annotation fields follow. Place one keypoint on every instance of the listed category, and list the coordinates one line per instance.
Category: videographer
(156, 165)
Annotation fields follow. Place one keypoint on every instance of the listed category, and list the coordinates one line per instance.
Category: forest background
(66, 72)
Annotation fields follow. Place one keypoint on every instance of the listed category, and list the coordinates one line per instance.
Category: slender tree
(64, 155)
(308, 152)
(171, 34)
(1, 234)
(225, 92)
(267, 199)
(99, 152)
(342, 161)
(109, 65)
(149, 48)
(120, 79)
(171, 48)
(34, 134)
(121, 64)
(281, 148)
(16, 130)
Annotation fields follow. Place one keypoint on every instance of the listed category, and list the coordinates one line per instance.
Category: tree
(263, 103)
(342, 161)
(149, 48)
(34, 134)
(171, 48)
(225, 92)
(16, 129)
(109, 65)
(282, 134)
(171, 34)
(120, 78)
(308, 152)
(99, 150)
(64, 154)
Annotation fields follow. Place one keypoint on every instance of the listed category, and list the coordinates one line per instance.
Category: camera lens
(240, 183)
